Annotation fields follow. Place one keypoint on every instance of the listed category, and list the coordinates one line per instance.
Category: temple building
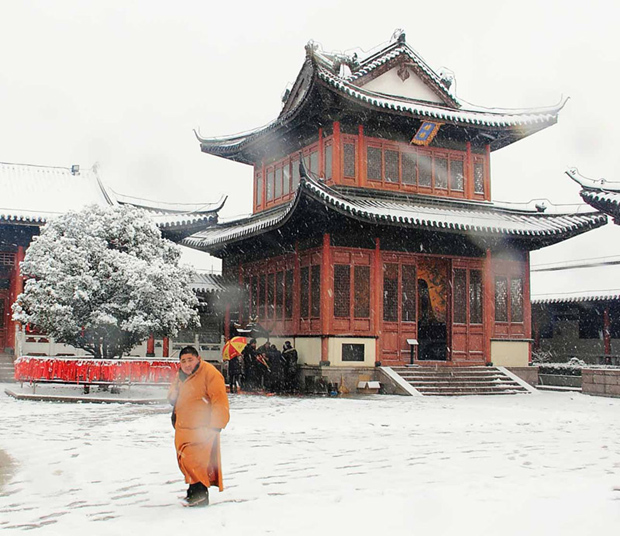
(32, 195)
(373, 237)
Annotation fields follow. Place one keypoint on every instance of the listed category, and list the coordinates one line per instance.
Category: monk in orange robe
(198, 394)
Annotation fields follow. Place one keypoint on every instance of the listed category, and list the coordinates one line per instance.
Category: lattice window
(460, 296)
(304, 301)
(328, 161)
(270, 295)
(516, 299)
(288, 294)
(456, 175)
(349, 159)
(408, 293)
(391, 166)
(361, 308)
(425, 172)
(390, 292)
(409, 162)
(475, 297)
(315, 291)
(279, 295)
(479, 177)
(261, 296)
(7, 259)
(342, 290)
(373, 170)
(501, 299)
(441, 173)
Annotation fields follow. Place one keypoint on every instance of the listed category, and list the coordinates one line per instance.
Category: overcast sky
(123, 83)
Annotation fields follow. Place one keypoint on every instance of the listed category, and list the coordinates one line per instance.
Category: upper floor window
(508, 299)
(399, 166)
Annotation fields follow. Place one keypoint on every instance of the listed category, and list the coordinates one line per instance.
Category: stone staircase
(7, 370)
(456, 381)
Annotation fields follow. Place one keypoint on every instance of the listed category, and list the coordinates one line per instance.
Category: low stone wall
(527, 374)
(601, 382)
(345, 377)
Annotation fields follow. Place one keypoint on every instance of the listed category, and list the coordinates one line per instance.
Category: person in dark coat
(289, 356)
(275, 377)
(249, 365)
(235, 372)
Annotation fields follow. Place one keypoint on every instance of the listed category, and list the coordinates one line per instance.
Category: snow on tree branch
(103, 279)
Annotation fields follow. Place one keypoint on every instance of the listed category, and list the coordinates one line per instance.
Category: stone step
(452, 376)
(455, 381)
(500, 383)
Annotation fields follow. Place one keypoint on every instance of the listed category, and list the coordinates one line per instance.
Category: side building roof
(600, 194)
(31, 195)
(404, 211)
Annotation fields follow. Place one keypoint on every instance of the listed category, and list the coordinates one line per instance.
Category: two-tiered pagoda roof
(340, 86)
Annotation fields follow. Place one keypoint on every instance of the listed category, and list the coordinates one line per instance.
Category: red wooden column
(487, 175)
(322, 154)
(327, 296)
(527, 305)
(361, 155)
(606, 331)
(297, 291)
(17, 287)
(166, 347)
(469, 173)
(150, 346)
(227, 322)
(488, 304)
(337, 154)
(242, 296)
(377, 309)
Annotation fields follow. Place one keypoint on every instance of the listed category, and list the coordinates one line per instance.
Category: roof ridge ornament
(399, 36)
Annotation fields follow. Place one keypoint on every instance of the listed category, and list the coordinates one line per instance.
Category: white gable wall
(413, 88)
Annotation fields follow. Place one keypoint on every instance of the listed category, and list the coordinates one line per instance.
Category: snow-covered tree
(103, 279)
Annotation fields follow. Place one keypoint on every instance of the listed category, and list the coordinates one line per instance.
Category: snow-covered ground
(514, 465)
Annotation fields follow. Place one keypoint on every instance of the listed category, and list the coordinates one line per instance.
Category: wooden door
(467, 312)
(399, 310)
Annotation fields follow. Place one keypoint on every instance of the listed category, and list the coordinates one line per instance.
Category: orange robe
(201, 407)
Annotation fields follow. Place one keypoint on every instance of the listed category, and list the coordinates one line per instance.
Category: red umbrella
(234, 347)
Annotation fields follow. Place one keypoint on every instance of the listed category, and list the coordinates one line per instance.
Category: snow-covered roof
(33, 194)
(601, 194)
(325, 70)
(207, 283)
(577, 297)
(473, 218)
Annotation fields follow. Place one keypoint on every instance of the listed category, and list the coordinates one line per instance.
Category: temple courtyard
(545, 463)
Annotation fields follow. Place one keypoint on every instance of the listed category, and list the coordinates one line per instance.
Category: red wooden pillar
(297, 291)
(361, 155)
(527, 305)
(606, 331)
(487, 175)
(243, 297)
(377, 306)
(469, 173)
(17, 287)
(321, 171)
(337, 154)
(327, 296)
(489, 304)
(166, 347)
(150, 346)
(227, 322)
